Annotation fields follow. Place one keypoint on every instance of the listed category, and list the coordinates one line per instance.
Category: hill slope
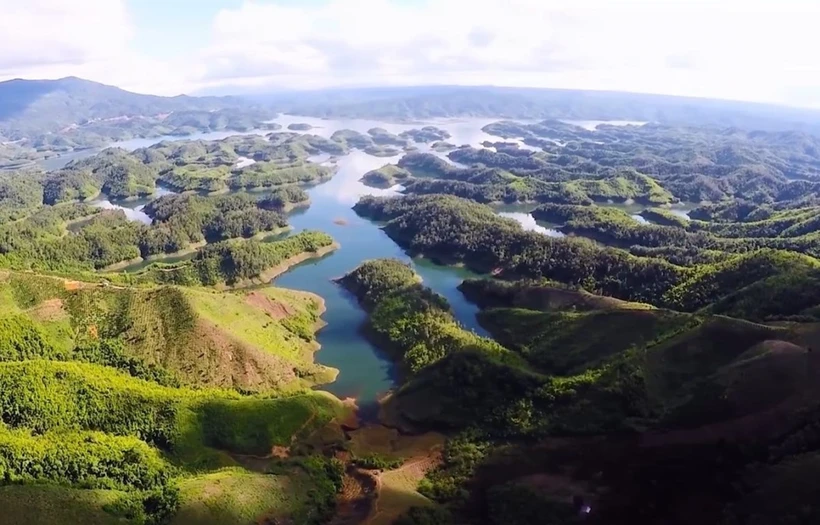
(39, 106)
(511, 102)
(252, 340)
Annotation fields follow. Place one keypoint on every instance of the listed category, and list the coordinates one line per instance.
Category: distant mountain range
(31, 107)
(531, 103)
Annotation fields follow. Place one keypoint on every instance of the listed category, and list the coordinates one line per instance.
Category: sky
(757, 50)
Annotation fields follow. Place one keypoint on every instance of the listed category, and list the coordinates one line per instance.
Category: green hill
(577, 372)
(40, 106)
(248, 339)
(756, 285)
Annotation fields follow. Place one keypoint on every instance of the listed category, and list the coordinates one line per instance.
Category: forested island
(645, 354)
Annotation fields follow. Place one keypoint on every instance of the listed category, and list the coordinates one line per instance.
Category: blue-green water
(365, 373)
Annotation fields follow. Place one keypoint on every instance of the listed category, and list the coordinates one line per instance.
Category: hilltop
(415, 102)
(30, 107)
(43, 118)
(254, 340)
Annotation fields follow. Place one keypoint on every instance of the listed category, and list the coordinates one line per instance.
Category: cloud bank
(749, 50)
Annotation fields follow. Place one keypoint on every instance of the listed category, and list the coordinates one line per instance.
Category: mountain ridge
(31, 107)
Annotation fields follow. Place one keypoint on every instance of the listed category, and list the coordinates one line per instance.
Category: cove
(365, 372)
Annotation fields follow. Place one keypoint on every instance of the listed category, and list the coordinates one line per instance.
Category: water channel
(365, 373)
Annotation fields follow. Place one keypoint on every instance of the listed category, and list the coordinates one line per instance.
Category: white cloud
(85, 38)
(37, 34)
(745, 49)
(726, 48)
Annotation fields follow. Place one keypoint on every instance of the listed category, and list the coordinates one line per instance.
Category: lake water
(365, 372)
(521, 213)
(592, 125)
(132, 207)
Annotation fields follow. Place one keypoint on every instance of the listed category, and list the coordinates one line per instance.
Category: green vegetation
(249, 339)
(538, 295)
(455, 230)
(24, 504)
(460, 231)
(385, 177)
(605, 367)
(55, 239)
(426, 134)
(91, 399)
(664, 217)
(642, 372)
(233, 262)
(86, 459)
(302, 491)
(402, 310)
(285, 199)
(524, 177)
(96, 428)
(270, 175)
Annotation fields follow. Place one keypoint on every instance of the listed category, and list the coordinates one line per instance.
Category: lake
(365, 372)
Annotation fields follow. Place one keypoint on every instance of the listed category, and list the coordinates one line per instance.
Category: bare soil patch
(274, 309)
(49, 310)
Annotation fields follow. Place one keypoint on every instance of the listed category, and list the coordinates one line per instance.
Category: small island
(442, 146)
(426, 134)
(352, 139)
(384, 138)
(300, 126)
(385, 177)
(382, 151)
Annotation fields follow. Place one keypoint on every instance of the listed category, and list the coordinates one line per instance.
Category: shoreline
(268, 275)
(192, 248)
(157, 257)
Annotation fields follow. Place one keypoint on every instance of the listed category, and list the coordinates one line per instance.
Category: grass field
(397, 491)
(260, 339)
(236, 496)
(53, 505)
(397, 487)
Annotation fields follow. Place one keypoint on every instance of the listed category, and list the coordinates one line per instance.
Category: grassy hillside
(124, 404)
(234, 495)
(539, 295)
(710, 283)
(248, 339)
(91, 426)
(55, 505)
(550, 340)
(701, 413)
(576, 372)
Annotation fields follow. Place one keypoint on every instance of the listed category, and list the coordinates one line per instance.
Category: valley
(433, 321)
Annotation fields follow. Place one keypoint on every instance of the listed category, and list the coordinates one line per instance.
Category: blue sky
(757, 50)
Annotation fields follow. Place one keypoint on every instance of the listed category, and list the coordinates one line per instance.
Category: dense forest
(644, 350)
(676, 392)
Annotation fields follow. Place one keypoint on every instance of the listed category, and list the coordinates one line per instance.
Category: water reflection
(132, 207)
(528, 222)
(592, 125)
(365, 372)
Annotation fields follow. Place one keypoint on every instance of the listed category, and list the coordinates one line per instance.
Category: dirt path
(386, 507)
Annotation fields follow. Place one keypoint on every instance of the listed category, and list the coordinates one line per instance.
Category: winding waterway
(365, 372)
